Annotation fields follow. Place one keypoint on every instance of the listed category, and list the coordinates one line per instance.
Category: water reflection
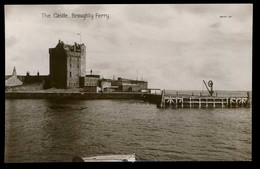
(62, 128)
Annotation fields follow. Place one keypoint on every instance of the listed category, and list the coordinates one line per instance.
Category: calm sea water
(56, 130)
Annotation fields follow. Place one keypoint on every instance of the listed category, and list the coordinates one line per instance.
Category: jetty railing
(195, 101)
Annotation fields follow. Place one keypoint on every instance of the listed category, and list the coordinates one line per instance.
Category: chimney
(14, 72)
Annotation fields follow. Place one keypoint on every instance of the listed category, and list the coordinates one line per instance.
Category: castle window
(70, 74)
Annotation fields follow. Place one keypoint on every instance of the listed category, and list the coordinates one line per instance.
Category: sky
(172, 46)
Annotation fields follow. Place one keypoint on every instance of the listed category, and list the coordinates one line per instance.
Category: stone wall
(92, 89)
(73, 71)
(58, 67)
(67, 64)
(27, 87)
(51, 95)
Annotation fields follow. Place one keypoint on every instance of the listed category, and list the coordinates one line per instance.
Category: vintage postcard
(128, 82)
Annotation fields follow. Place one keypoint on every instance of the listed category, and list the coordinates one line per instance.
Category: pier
(200, 101)
(192, 101)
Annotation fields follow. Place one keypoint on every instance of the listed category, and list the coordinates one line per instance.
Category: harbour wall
(160, 100)
(75, 95)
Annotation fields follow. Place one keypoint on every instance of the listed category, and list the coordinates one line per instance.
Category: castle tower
(67, 64)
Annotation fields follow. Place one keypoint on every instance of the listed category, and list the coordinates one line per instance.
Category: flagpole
(79, 37)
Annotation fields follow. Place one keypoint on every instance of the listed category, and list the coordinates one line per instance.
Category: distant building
(90, 83)
(91, 80)
(106, 86)
(155, 91)
(110, 89)
(22, 83)
(13, 80)
(128, 85)
(105, 83)
(36, 78)
(67, 65)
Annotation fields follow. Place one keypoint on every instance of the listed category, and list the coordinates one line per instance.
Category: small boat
(106, 158)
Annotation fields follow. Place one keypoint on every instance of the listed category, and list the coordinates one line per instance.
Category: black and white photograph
(128, 82)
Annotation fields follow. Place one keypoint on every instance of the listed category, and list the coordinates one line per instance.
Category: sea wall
(75, 95)
(153, 98)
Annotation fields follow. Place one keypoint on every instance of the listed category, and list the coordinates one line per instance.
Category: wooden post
(182, 102)
(162, 104)
(176, 102)
(190, 102)
(227, 102)
(236, 102)
(199, 102)
(170, 101)
(230, 102)
(214, 103)
(248, 102)
(222, 103)
(206, 103)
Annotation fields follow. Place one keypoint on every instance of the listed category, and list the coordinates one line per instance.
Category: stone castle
(68, 70)
(67, 64)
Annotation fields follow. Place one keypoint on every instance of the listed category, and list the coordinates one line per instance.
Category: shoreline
(160, 100)
(71, 95)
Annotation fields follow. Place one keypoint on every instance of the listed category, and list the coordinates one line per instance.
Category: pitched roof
(7, 76)
(13, 81)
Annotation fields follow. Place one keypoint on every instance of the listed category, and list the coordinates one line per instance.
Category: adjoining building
(106, 86)
(90, 83)
(13, 80)
(36, 79)
(110, 89)
(128, 85)
(26, 83)
(67, 65)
